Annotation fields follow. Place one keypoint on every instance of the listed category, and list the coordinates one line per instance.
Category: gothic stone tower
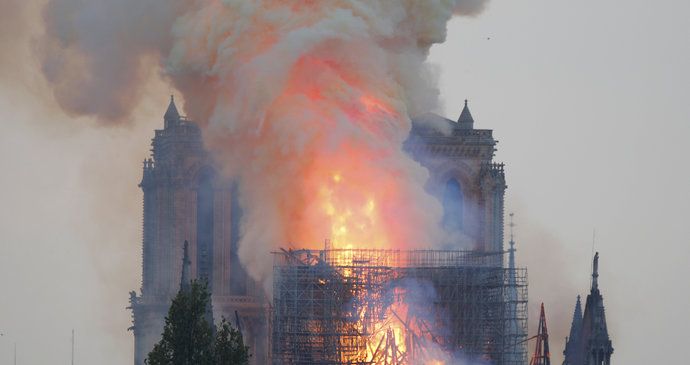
(464, 177)
(186, 200)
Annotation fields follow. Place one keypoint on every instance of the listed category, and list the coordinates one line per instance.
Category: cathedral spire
(171, 115)
(466, 120)
(513, 327)
(577, 319)
(572, 342)
(595, 273)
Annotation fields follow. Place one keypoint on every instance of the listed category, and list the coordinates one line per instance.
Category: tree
(229, 346)
(187, 335)
(190, 337)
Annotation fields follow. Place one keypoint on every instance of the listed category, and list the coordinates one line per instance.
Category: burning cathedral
(333, 305)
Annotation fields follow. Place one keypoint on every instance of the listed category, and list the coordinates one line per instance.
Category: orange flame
(356, 188)
(396, 338)
(308, 110)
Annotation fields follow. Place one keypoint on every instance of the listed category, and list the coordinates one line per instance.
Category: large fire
(350, 205)
(401, 336)
(351, 221)
(354, 186)
(308, 107)
(331, 136)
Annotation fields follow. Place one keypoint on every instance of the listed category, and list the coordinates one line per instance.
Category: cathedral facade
(186, 199)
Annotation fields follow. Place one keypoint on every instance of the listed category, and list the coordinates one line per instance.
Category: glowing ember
(353, 219)
(400, 337)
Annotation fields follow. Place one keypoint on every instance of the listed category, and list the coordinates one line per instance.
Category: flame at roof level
(307, 106)
(358, 187)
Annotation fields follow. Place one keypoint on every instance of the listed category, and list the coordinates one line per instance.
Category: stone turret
(171, 116)
(466, 121)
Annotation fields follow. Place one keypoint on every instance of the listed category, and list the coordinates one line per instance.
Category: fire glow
(309, 111)
(402, 338)
(359, 191)
(288, 94)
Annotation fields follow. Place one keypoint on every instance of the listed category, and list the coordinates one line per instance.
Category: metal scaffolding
(396, 307)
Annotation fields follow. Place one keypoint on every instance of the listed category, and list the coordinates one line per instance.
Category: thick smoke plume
(305, 103)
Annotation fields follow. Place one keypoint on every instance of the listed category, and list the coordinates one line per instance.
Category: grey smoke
(234, 62)
(96, 53)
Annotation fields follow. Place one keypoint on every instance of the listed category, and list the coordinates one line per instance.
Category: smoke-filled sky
(588, 100)
(305, 104)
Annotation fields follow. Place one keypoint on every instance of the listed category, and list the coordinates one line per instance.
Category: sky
(587, 99)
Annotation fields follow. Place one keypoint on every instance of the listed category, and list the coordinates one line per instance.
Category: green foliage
(188, 337)
(229, 347)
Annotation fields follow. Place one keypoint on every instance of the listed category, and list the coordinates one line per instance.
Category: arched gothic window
(453, 206)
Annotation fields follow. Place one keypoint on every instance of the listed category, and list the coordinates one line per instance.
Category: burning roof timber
(396, 307)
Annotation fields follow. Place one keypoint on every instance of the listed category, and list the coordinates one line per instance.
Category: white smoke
(289, 93)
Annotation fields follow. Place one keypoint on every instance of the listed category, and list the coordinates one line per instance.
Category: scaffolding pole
(360, 307)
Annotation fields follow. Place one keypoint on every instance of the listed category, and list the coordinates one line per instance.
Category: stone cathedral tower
(186, 200)
(464, 178)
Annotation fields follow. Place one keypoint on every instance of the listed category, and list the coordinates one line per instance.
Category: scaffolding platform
(396, 307)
